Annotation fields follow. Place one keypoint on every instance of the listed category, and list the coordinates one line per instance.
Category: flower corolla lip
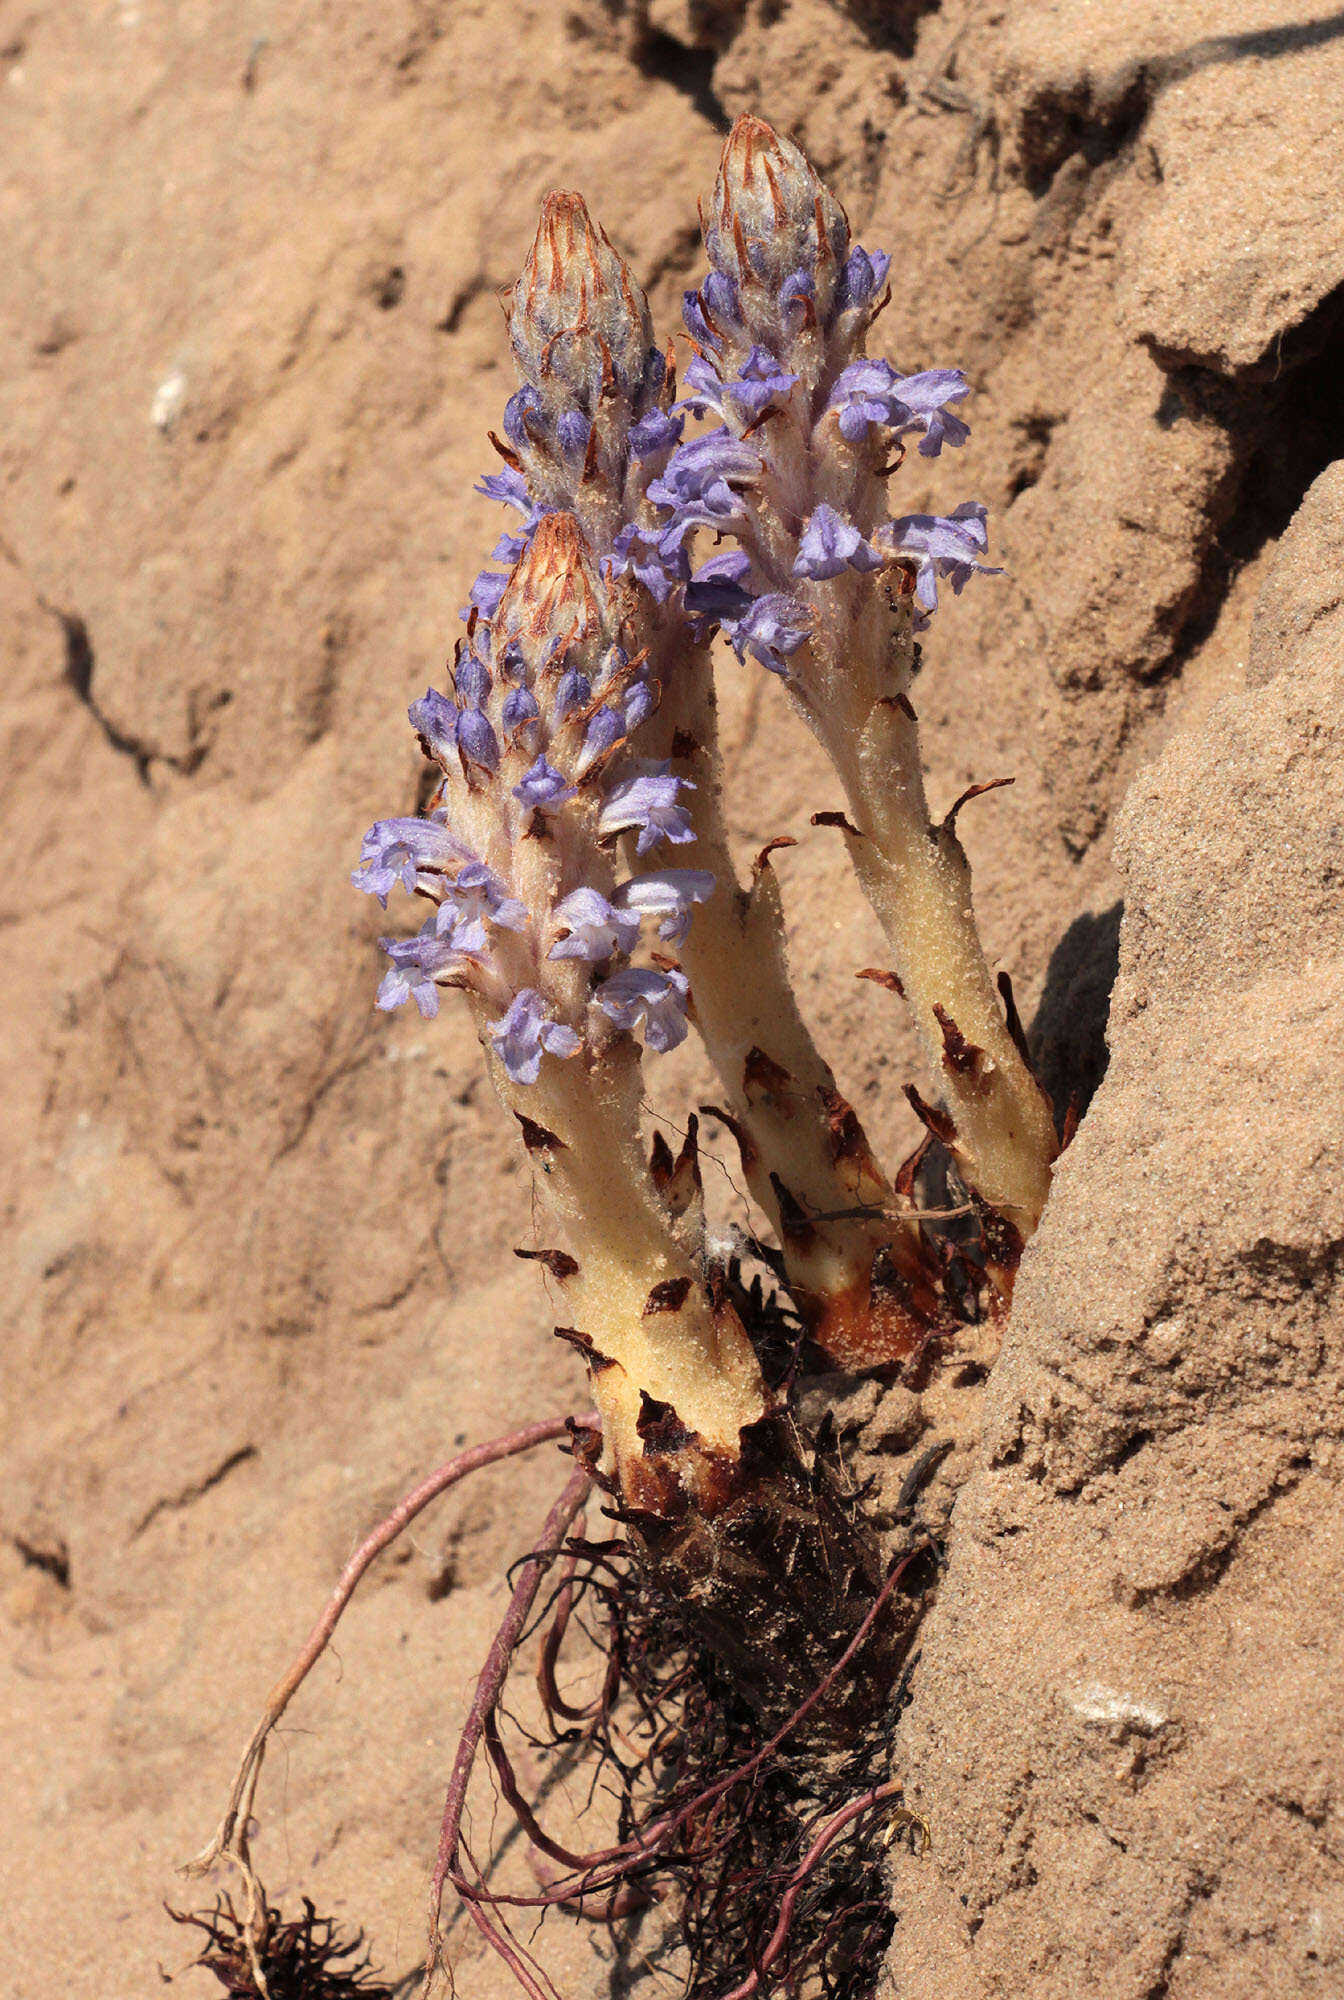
(638, 993)
(648, 802)
(543, 787)
(830, 544)
(773, 626)
(478, 895)
(592, 928)
(527, 1029)
(399, 851)
(668, 893)
(509, 487)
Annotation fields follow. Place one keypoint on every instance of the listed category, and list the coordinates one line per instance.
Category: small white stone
(1096, 1703)
(169, 400)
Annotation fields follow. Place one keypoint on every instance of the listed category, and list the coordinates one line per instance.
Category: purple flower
(871, 392)
(526, 1030)
(697, 485)
(774, 626)
(476, 740)
(543, 787)
(400, 851)
(863, 277)
(520, 707)
(667, 893)
(718, 588)
(574, 690)
(657, 998)
(485, 594)
(434, 719)
(573, 428)
(415, 962)
(797, 292)
(640, 551)
(744, 396)
(640, 702)
(713, 311)
(942, 545)
(831, 544)
(522, 404)
(471, 680)
(604, 731)
(479, 895)
(648, 802)
(508, 549)
(592, 928)
(655, 432)
(926, 397)
(509, 487)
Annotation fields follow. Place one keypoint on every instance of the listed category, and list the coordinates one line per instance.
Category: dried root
(301, 1960)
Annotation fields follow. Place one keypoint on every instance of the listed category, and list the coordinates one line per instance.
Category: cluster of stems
(578, 758)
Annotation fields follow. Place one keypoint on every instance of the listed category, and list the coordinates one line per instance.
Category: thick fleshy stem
(655, 1336)
(826, 591)
(865, 1282)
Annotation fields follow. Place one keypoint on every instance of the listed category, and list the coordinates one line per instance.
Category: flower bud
(776, 234)
(577, 314)
(595, 384)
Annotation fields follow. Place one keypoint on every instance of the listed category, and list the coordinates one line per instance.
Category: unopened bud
(554, 600)
(577, 316)
(775, 223)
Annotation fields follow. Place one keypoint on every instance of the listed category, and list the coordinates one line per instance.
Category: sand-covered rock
(1123, 1730)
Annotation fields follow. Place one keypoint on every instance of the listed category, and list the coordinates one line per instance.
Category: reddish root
(722, 1833)
(230, 1842)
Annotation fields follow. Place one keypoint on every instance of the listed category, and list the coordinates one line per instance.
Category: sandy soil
(257, 1271)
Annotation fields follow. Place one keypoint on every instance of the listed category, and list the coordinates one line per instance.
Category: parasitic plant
(583, 897)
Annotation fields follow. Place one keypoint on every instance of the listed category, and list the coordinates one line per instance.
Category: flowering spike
(828, 592)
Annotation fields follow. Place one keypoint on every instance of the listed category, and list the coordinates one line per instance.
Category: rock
(1122, 1733)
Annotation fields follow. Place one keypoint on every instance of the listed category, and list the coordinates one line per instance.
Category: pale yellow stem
(637, 1295)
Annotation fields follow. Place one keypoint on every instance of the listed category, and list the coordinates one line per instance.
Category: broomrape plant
(576, 862)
